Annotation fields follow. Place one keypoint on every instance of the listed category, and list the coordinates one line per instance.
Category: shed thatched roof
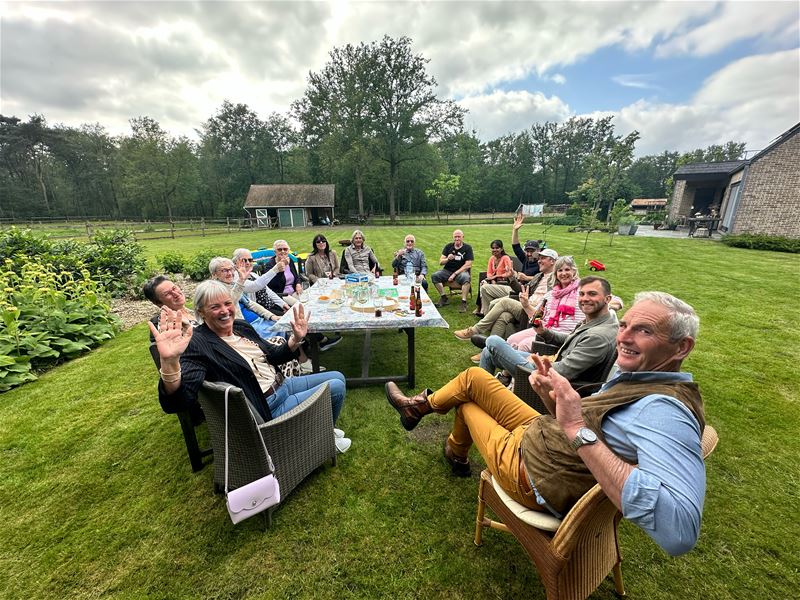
(285, 196)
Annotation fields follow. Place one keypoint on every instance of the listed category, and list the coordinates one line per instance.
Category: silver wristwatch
(585, 436)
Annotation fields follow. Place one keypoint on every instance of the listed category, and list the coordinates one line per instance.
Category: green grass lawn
(97, 497)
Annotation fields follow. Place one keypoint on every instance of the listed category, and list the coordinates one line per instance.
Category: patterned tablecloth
(334, 314)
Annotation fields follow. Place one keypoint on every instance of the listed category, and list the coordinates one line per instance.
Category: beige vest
(560, 476)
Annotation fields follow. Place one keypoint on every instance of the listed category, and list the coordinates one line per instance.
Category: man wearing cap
(505, 314)
(529, 257)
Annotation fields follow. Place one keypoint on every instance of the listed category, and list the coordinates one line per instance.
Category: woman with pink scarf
(562, 312)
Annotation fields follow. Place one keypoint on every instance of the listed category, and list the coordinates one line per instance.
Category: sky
(684, 74)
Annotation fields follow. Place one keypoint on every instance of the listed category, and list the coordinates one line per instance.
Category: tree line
(369, 121)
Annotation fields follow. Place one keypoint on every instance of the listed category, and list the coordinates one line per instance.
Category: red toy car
(596, 265)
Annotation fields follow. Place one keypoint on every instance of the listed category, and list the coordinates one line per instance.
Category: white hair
(276, 242)
(239, 253)
(207, 291)
(217, 263)
(683, 321)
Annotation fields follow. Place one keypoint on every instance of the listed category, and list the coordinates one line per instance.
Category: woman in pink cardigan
(498, 272)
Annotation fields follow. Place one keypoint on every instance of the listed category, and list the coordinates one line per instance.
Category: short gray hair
(217, 262)
(683, 321)
(276, 242)
(239, 253)
(207, 291)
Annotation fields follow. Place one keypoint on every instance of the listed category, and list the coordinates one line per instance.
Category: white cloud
(558, 78)
(734, 22)
(496, 114)
(640, 81)
(752, 100)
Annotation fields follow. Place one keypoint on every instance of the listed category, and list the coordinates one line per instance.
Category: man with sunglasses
(415, 256)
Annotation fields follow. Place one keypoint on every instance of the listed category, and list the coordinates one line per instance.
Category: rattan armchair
(298, 441)
(575, 555)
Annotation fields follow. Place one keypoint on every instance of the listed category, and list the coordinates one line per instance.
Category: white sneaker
(342, 444)
(338, 433)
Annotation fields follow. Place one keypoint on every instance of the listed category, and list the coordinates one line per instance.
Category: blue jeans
(295, 390)
(498, 353)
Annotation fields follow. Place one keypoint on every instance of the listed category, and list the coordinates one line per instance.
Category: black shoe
(478, 340)
(442, 301)
(329, 342)
(459, 466)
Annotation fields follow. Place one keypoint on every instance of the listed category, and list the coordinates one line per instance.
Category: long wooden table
(334, 314)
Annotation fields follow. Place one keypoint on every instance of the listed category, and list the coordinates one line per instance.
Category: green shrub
(763, 242)
(172, 262)
(116, 259)
(565, 220)
(48, 316)
(196, 268)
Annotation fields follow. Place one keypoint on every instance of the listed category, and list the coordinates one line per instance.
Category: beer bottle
(418, 304)
(412, 300)
(394, 277)
(536, 319)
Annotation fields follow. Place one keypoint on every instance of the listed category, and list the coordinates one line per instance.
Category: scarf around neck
(564, 299)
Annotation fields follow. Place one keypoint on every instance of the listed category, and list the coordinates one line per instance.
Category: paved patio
(648, 231)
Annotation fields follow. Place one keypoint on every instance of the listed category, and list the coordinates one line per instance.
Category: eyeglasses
(247, 260)
(225, 270)
(281, 249)
(173, 292)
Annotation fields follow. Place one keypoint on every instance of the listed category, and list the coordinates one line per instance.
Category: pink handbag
(256, 496)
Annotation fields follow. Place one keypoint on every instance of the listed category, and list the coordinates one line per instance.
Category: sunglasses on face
(247, 260)
(281, 249)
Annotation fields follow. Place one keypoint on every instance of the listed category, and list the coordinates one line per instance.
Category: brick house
(285, 205)
(759, 195)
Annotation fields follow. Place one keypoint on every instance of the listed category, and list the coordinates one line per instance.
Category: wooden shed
(290, 205)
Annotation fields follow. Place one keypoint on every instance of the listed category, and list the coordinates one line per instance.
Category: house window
(730, 210)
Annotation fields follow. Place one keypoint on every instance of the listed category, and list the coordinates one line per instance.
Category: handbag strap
(227, 389)
(261, 437)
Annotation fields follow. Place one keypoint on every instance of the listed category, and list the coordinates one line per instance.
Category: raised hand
(524, 294)
(519, 219)
(171, 336)
(244, 269)
(300, 321)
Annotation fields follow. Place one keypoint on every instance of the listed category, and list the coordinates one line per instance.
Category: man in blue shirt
(414, 256)
(639, 437)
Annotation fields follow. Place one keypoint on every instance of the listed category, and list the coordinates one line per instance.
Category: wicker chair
(572, 556)
(189, 420)
(298, 441)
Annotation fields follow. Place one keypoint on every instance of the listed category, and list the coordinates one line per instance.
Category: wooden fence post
(203, 226)
(88, 230)
(228, 222)
(172, 228)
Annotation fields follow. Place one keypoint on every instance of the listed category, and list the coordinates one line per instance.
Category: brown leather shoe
(465, 334)
(411, 409)
(459, 466)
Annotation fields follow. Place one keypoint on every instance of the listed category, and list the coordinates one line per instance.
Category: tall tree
(334, 114)
(159, 171)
